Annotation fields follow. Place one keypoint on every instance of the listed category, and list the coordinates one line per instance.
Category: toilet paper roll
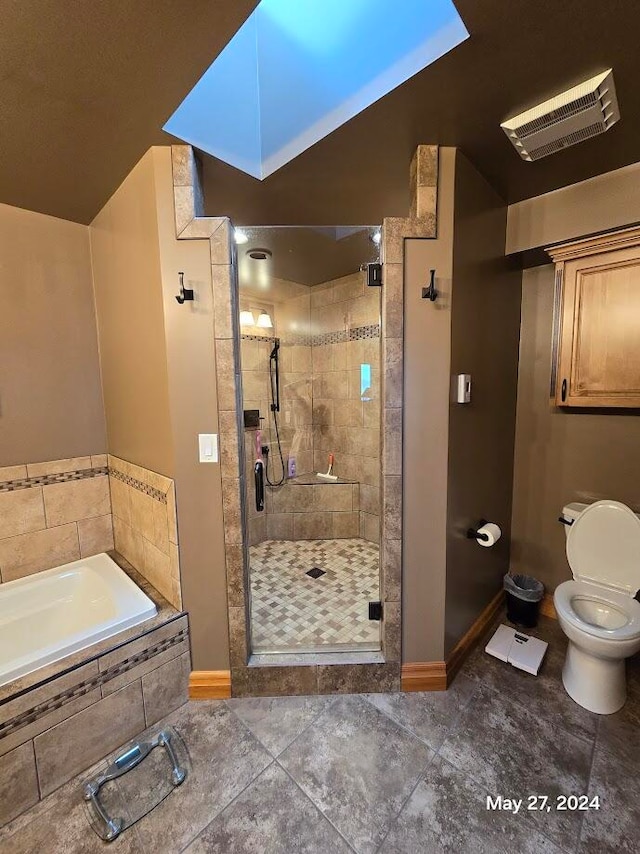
(492, 531)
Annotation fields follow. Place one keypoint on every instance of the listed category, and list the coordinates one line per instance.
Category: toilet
(597, 610)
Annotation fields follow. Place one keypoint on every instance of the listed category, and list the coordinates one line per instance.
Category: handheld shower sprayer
(274, 382)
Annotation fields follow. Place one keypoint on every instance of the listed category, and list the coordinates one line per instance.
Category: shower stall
(310, 359)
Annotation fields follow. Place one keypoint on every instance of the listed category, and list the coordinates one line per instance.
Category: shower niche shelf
(313, 480)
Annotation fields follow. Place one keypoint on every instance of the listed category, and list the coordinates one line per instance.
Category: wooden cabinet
(596, 359)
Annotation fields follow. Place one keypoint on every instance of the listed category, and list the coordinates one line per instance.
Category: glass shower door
(311, 396)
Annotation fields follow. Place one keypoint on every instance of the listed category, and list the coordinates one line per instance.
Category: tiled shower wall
(145, 525)
(345, 323)
(56, 512)
(53, 513)
(325, 338)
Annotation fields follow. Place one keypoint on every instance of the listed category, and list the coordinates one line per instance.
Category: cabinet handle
(563, 393)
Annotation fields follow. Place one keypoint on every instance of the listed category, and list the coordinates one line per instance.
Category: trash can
(523, 599)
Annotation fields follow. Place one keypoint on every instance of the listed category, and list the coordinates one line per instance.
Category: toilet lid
(603, 546)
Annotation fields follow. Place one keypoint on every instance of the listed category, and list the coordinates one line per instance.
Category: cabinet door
(600, 339)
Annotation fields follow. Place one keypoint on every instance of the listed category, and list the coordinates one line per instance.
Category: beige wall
(125, 254)
(457, 459)
(427, 353)
(560, 456)
(484, 343)
(191, 372)
(50, 397)
(159, 377)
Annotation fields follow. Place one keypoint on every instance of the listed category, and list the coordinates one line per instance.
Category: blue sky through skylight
(298, 69)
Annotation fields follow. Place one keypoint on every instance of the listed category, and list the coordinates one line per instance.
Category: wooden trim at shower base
(547, 608)
(424, 676)
(209, 684)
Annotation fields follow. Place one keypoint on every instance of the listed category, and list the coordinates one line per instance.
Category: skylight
(298, 69)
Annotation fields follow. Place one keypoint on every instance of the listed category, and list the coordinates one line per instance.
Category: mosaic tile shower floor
(292, 612)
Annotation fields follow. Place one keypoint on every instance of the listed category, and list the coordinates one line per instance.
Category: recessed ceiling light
(259, 254)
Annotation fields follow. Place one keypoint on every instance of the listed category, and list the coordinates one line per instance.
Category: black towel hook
(185, 293)
(431, 293)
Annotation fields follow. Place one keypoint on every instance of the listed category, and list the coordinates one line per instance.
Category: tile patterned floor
(291, 612)
(388, 773)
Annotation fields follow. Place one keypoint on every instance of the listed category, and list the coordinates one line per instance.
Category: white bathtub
(51, 614)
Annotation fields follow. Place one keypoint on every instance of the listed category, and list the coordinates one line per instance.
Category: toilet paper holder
(474, 533)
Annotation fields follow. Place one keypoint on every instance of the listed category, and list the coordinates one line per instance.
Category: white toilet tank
(571, 512)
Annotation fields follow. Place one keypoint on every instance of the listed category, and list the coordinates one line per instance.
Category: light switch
(208, 444)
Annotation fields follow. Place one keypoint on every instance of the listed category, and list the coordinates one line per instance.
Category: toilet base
(597, 684)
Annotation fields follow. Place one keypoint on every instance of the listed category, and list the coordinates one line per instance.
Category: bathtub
(54, 613)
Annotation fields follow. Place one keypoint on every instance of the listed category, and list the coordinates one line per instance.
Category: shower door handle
(258, 473)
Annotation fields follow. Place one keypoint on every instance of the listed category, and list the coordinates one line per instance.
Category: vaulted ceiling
(86, 87)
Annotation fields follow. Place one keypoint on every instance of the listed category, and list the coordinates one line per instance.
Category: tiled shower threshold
(325, 657)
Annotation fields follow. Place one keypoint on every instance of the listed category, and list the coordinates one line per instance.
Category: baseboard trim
(466, 643)
(438, 675)
(424, 676)
(547, 608)
(209, 684)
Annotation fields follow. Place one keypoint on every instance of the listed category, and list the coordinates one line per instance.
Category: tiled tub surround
(192, 224)
(57, 722)
(53, 513)
(145, 525)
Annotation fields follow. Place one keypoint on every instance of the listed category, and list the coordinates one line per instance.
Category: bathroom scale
(139, 777)
(522, 651)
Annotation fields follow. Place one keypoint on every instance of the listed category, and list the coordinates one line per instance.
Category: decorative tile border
(156, 494)
(190, 223)
(357, 333)
(48, 479)
(267, 339)
(59, 700)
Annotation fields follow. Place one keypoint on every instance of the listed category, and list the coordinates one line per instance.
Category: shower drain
(315, 572)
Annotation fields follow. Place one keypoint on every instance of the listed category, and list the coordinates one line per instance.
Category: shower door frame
(309, 675)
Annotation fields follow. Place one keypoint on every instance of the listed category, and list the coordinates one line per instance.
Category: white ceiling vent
(584, 111)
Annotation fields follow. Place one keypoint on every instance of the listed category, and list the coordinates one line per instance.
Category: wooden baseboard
(425, 676)
(547, 608)
(210, 684)
(466, 643)
(437, 675)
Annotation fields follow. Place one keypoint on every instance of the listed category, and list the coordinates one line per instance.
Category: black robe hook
(431, 293)
(185, 293)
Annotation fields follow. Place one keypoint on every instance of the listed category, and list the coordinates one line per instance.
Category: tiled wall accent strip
(48, 479)
(266, 338)
(31, 715)
(357, 333)
(156, 494)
